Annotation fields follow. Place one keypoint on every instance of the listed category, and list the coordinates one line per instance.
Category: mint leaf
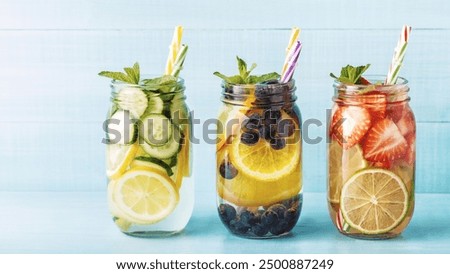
(263, 78)
(351, 74)
(237, 79)
(165, 83)
(244, 76)
(130, 76)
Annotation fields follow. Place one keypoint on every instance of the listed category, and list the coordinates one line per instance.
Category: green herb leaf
(236, 80)
(244, 76)
(131, 75)
(263, 78)
(165, 83)
(351, 74)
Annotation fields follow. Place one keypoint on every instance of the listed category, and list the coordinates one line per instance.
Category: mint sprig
(351, 74)
(131, 76)
(165, 83)
(244, 76)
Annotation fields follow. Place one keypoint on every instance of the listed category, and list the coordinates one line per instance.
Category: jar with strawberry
(371, 156)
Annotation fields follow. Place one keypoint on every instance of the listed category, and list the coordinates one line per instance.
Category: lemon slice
(263, 163)
(145, 196)
(245, 191)
(230, 119)
(118, 158)
(342, 164)
(374, 201)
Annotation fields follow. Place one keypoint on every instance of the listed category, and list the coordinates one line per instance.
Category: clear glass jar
(149, 159)
(371, 159)
(259, 163)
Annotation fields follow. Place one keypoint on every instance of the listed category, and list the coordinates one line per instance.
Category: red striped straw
(399, 55)
(293, 54)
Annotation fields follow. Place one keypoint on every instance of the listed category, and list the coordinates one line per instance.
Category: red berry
(349, 125)
(375, 102)
(410, 155)
(384, 142)
(406, 123)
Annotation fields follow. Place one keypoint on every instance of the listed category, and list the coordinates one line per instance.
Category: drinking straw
(174, 49)
(295, 33)
(292, 61)
(399, 54)
(178, 64)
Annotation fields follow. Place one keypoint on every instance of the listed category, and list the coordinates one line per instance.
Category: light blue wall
(52, 102)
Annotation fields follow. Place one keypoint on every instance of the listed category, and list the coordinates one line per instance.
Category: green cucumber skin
(167, 151)
(156, 162)
(154, 117)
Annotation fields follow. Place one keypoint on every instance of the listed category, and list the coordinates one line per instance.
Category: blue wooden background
(52, 102)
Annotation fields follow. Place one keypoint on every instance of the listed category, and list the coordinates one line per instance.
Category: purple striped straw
(293, 54)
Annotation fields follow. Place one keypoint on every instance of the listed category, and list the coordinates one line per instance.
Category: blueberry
(252, 122)
(267, 132)
(248, 217)
(269, 218)
(286, 128)
(249, 138)
(227, 170)
(280, 228)
(227, 213)
(239, 226)
(271, 115)
(260, 230)
(279, 209)
(270, 82)
(291, 214)
(278, 143)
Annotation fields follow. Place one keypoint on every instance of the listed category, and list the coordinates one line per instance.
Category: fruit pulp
(381, 146)
(258, 168)
(150, 187)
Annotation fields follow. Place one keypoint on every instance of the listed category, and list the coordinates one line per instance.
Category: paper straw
(295, 34)
(399, 55)
(178, 64)
(174, 49)
(293, 56)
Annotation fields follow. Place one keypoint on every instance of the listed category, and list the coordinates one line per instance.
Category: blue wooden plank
(121, 14)
(69, 156)
(80, 223)
(61, 66)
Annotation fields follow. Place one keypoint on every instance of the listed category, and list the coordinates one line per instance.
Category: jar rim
(373, 78)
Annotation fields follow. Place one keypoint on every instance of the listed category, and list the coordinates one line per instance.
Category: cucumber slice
(157, 162)
(179, 112)
(132, 99)
(122, 129)
(155, 105)
(166, 151)
(172, 161)
(156, 129)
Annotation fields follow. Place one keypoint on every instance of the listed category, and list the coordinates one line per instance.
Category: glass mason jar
(371, 159)
(259, 163)
(150, 187)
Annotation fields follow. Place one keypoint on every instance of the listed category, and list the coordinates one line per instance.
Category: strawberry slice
(410, 155)
(384, 142)
(384, 165)
(395, 111)
(406, 122)
(375, 102)
(363, 81)
(349, 125)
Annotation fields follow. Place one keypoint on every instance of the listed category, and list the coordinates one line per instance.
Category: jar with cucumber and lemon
(150, 187)
(259, 182)
(371, 156)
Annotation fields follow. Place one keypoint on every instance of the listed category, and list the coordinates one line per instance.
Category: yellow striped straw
(295, 34)
(173, 49)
